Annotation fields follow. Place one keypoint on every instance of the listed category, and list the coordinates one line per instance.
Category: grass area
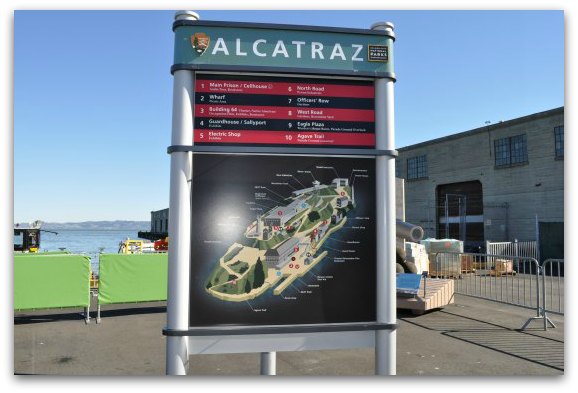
(231, 254)
(324, 214)
(239, 287)
(313, 200)
(228, 288)
(297, 217)
(239, 267)
(218, 276)
(271, 243)
(329, 191)
(247, 242)
(348, 190)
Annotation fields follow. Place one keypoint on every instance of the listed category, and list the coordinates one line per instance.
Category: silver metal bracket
(281, 150)
(274, 329)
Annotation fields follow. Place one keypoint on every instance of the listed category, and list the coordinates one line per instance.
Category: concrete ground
(469, 338)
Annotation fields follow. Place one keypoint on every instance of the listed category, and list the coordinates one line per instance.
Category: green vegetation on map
(297, 217)
(315, 216)
(232, 253)
(247, 268)
(232, 284)
(218, 276)
(239, 267)
(313, 200)
(259, 275)
(271, 243)
(326, 212)
(327, 192)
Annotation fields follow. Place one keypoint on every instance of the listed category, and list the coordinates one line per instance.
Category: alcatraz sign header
(263, 47)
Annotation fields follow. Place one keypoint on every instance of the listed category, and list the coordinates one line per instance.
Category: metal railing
(553, 286)
(527, 249)
(507, 279)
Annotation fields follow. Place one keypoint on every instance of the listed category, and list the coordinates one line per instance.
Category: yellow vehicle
(130, 246)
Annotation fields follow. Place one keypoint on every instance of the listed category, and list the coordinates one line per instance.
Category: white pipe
(177, 357)
(268, 363)
(385, 345)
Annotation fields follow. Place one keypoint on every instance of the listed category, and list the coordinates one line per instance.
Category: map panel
(280, 240)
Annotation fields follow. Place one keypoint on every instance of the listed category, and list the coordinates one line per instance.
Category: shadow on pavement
(79, 316)
(520, 344)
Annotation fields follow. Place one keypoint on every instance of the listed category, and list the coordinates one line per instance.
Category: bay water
(87, 242)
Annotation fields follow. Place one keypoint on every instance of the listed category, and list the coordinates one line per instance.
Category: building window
(417, 167)
(559, 141)
(511, 151)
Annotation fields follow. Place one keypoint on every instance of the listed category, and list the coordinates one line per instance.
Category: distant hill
(98, 225)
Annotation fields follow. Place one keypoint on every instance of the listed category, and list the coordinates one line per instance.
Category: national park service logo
(200, 42)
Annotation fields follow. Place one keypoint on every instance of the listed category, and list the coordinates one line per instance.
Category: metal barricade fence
(505, 279)
(553, 286)
(527, 249)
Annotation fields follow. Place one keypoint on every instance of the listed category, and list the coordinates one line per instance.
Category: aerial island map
(285, 242)
(281, 240)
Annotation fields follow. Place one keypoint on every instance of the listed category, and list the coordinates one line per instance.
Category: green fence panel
(33, 254)
(51, 281)
(129, 278)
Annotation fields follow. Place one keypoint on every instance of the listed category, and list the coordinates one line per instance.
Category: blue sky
(93, 92)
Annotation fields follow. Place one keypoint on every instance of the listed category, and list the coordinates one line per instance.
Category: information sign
(278, 242)
(282, 240)
(266, 111)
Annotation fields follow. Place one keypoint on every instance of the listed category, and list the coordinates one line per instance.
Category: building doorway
(460, 213)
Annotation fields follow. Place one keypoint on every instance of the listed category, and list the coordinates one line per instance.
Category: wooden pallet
(503, 267)
(502, 273)
(439, 293)
(448, 275)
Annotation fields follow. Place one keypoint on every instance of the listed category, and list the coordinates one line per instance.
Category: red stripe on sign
(284, 138)
(289, 113)
(282, 88)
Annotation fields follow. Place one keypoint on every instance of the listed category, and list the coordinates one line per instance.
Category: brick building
(491, 183)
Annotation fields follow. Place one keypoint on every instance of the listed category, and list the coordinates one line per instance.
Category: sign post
(282, 220)
(385, 344)
(177, 356)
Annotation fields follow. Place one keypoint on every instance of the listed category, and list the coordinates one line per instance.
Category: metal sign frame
(183, 340)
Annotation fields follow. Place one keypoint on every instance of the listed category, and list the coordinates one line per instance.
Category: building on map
(342, 201)
(266, 234)
(315, 187)
(280, 215)
(259, 225)
(353, 194)
(278, 257)
(340, 182)
(336, 218)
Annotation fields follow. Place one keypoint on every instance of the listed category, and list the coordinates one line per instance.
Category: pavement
(471, 337)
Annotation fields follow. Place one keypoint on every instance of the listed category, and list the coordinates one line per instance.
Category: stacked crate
(445, 265)
(416, 253)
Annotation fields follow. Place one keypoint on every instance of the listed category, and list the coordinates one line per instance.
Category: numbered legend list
(233, 110)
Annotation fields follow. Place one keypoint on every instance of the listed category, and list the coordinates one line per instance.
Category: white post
(177, 357)
(538, 240)
(385, 340)
(268, 363)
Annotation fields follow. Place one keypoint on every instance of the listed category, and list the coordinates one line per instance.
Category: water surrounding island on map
(282, 244)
